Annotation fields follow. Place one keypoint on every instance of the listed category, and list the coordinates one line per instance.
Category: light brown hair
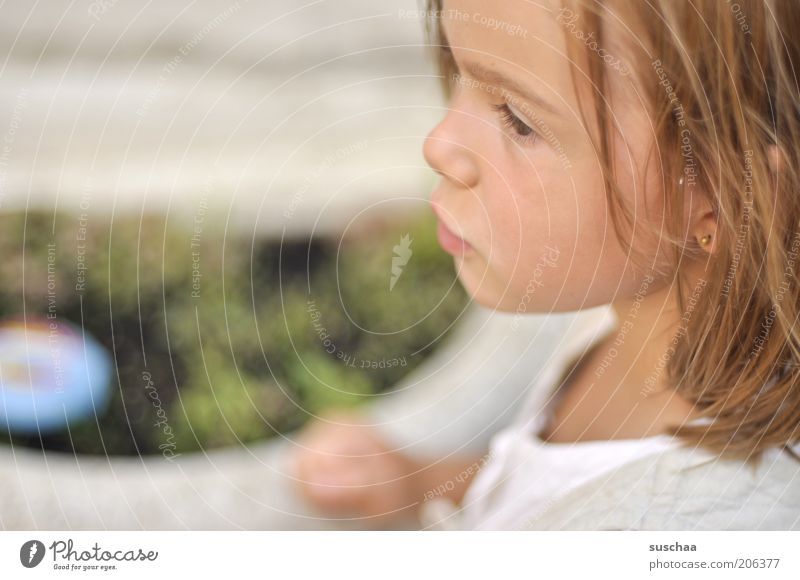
(724, 75)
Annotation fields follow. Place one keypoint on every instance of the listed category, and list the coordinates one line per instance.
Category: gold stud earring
(705, 240)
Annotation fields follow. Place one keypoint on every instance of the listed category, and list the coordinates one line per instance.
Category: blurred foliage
(238, 353)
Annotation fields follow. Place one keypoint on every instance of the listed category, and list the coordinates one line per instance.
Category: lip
(450, 242)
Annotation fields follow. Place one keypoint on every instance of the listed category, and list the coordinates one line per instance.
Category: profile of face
(521, 181)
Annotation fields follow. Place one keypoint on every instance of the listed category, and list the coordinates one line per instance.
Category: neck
(648, 323)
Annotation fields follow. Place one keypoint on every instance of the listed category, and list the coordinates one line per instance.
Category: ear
(703, 218)
(702, 231)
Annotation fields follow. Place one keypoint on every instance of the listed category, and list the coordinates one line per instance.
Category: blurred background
(134, 106)
(214, 219)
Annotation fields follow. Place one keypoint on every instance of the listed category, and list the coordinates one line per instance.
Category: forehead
(541, 43)
(522, 39)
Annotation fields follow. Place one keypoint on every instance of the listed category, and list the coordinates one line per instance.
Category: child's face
(531, 206)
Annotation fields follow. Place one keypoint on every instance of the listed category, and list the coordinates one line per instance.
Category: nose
(447, 150)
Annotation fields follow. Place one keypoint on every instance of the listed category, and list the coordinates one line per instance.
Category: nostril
(446, 151)
(442, 155)
(432, 151)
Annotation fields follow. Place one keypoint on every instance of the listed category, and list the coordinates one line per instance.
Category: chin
(487, 301)
(485, 291)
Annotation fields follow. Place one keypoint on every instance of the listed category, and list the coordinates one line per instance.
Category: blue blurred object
(51, 375)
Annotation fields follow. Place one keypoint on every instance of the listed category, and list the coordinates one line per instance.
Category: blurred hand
(343, 467)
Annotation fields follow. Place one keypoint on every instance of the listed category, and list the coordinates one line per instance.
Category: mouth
(450, 242)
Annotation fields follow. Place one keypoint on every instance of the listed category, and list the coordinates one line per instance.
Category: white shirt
(524, 475)
(470, 387)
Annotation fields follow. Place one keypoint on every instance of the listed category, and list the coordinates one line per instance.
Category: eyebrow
(492, 76)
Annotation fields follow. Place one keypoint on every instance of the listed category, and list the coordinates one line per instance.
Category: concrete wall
(286, 112)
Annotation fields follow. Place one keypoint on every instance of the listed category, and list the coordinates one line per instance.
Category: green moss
(268, 335)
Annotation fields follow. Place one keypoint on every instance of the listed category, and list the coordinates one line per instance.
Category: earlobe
(705, 229)
(702, 220)
(706, 232)
(705, 243)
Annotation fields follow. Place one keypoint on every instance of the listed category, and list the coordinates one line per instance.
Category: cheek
(528, 212)
(530, 228)
(551, 238)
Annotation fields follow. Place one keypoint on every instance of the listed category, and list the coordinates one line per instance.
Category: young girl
(636, 161)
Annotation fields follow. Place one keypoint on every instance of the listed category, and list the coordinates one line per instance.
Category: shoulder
(683, 489)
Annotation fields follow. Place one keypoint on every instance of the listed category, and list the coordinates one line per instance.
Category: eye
(521, 131)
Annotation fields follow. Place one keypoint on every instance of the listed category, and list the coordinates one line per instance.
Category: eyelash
(521, 132)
